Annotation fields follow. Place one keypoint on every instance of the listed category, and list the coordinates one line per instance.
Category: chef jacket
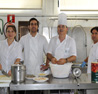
(34, 50)
(9, 54)
(93, 56)
(63, 49)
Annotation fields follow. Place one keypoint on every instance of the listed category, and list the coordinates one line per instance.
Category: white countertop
(4, 81)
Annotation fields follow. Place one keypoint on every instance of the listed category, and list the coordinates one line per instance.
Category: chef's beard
(33, 31)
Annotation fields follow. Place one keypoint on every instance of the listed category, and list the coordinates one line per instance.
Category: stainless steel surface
(77, 65)
(3, 72)
(91, 91)
(56, 84)
(18, 73)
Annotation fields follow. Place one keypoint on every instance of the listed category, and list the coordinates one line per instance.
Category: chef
(93, 55)
(62, 48)
(10, 50)
(35, 46)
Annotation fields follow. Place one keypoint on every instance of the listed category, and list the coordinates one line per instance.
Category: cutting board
(4, 78)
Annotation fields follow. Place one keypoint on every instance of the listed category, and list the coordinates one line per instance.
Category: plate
(40, 79)
(29, 76)
(43, 74)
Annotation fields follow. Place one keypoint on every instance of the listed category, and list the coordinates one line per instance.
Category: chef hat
(62, 19)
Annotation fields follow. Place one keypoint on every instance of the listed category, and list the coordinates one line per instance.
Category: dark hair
(94, 28)
(35, 20)
(14, 28)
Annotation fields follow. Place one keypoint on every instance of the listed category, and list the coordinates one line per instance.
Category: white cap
(62, 19)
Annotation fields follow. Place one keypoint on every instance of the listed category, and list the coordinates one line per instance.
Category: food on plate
(42, 74)
(40, 78)
(30, 76)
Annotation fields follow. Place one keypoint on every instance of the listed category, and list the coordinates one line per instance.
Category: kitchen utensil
(3, 72)
(77, 81)
(77, 73)
(18, 73)
(60, 71)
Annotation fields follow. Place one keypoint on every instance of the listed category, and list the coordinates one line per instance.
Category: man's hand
(61, 61)
(54, 60)
(9, 73)
(44, 67)
(0, 66)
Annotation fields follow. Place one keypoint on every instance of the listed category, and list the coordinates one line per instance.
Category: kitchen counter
(56, 84)
(4, 81)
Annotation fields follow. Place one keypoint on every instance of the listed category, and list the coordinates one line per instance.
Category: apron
(89, 61)
(92, 57)
(60, 51)
(32, 67)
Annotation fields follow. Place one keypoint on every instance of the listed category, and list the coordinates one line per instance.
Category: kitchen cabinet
(23, 29)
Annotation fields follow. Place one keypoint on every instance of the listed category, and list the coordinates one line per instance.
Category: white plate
(29, 76)
(40, 79)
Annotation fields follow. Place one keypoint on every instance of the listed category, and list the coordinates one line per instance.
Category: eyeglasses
(95, 33)
(33, 24)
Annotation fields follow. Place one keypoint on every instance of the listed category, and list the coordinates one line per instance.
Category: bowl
(60, 71)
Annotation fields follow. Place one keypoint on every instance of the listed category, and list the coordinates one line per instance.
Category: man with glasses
(34, 46)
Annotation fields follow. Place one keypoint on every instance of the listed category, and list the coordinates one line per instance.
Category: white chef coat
(93, 56)
(63, 49)
(9, 54)
(34, 48)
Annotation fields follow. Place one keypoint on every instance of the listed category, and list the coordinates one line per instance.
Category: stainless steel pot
(18, 73)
